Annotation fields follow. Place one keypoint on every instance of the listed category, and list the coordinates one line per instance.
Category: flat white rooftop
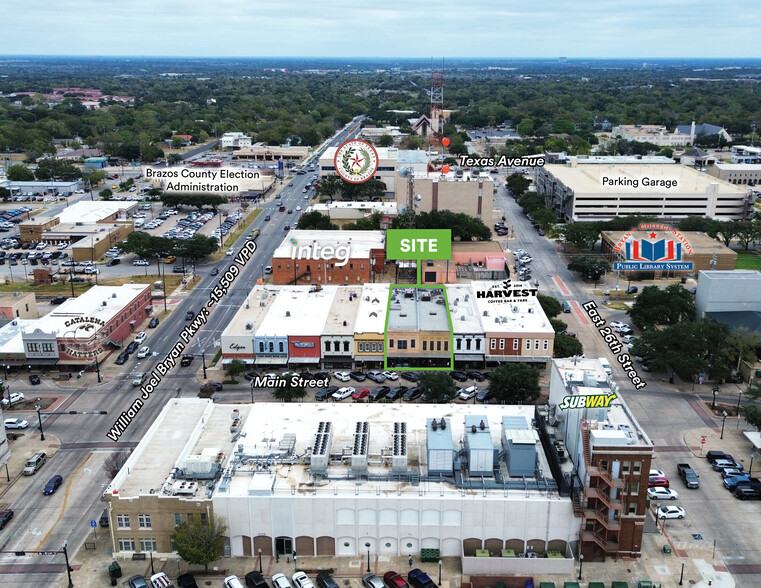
(371, 314)
(10, 335)
(418, 309)
(359, 243)
(509, 313)
(344, 308)
(258, 303)
(92, 212)
(463, 308)
(297, 311)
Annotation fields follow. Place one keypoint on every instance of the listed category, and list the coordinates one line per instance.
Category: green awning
(597, 585)
(571, 585)
(547, 585)
(619, 584)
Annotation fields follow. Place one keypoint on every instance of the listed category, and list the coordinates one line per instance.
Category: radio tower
(437, 100)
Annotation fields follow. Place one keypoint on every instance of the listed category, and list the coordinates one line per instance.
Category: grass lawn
(172, 281)
(748, 260)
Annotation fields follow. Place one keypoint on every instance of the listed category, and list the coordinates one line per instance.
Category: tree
(19, 173)
(589, 266)
(530, 202)
(371, 223)
(93, 178)
(525, 128)
(114, 462)
(195, 248)
(235, 368)
(288, 392)
(654, 306)
(105, 194)
(515, 383)
(545, 218)
(581, 234)
(517, 184)
(437, 387)
(726, 231)
(316, 221)
(385, 140)
(550, 305)
(56, 169)
(752, 416)
(141, 244)
(200, 542)
(566, 346)
(195, 199)
(558, 326)
(754, 389)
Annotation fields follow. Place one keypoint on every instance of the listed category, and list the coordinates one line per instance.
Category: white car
(391, 375)
(15, 397)
(662, 494)
(671, 512)
(63, 245)
(41, 246)
(297, 209)
(232, 582)
(230, 252)
(139, 377)
(301, 580)
(628, 338)
(16, 424)
(144, 352)
(526, 259)
(616, 325)
(343, 393)
(280, 581)
(657, 473)
(467, 393)
(343, 376)
(139, 215)
(141, 336)
(140, 262)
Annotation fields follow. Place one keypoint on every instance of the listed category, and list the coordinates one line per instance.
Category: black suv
(325, 580)
(459, 376)
(410, 376)
(476, 376)
(396, 393)
(412, 394)
(255, 580)
(122, 359)
(324, 393)
(186, 360)
(58, 299)
(378, 393)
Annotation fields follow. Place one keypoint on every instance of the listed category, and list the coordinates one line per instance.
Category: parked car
(662, 494)
(476, 376)
(161, 580)
(378, 393)
(372, 581)
(122, 358)
(325, 580)
(16, 424)
(255, 580)
(52, 485)
(13, 399)
(34, 380)
(360, 393)
(280, 581)
(632, 290)
(391, 375)
(394, 580)
(654, 481)
(186, 580)
(657, 473)
(5, 516)
(459, 376)
(132, 347)
(137, 581)
(412, 394)
(721, 464)
(671, 512)
(141, 336)
(713, 455)
(376, 376)
(483, 395)
(301, 580)
(144, 352)
(566, 306)
(58, 299)
(343, 376)
(153, 323)
(343, 393)
(410, 376)
(747, 493)
(323, 394)
(396, 393)
(232, 582)
(357, 376)
(417, 578)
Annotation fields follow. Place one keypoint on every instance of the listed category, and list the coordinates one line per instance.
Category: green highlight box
(418, 244)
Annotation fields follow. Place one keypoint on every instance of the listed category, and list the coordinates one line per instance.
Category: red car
(657, 481)
(394, 580)
(360, 393)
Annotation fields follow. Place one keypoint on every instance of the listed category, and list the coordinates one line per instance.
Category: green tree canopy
(557, 325)
(56, 169)
(752, 416)
(566, 346)
(235, 368)
(200, 542)
(463, 226)
(19, 173)
(654, 306)
(195, 248)
(591, 267)
(194, 199)
(385, 140)
(550, 305)
(545, 218)
(530, 202)
(437, 387)
(288, 393)
(336, 188)
(316, 221)
(515, 383)
(517, 184)
(583, 235)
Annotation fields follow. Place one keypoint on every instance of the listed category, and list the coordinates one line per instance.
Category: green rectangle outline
(451, 331)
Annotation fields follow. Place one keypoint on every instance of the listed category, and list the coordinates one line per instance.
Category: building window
(528, 344)
(632, 508)
(374, 346)
(380, 347)
(351, 266)
(536, 344)
(390, 343)
(327, 345)
(493, 344)
(279, 266)
(287, 266)
(143, 521)
(204, 518)
(295, 265)
(148, 545)
(412, 344)
(637, 468)
(280, 347)
(126, 545)
(361, 266)
(360, 347)
(478, 344)
(47, 347)
(467, 344)
(261, 346)
(546, 345)
(501, 344)
(625, 467)
(438, 345)
(122, 521)
(425, 345)
(515, 344)
(446, 345)
(272, 347)
(401, 344)
(32, 347)
(346, 346)
(319, 266)
(635, 487)
(177, 519)
(459, 344)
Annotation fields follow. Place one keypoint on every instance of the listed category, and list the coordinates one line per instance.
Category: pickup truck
(732, 483)
(688, 475)
(419, 579)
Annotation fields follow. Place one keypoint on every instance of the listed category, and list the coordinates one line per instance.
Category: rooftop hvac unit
(113, 295)
(249, 326)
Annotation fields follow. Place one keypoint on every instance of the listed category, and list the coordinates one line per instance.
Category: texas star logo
(356, 161)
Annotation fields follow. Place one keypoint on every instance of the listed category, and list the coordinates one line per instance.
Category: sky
(390, 28)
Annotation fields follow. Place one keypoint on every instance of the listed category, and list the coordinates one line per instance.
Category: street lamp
(39, 419)
(723, 420)
(260, 560)
(681, 576)
(252, 390)
(439, 573)
(750, 469)
(367, 544)
(294, 562)
(581, 563)
(739, 400)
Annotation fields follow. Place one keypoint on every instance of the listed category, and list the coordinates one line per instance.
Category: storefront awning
(271, 360)
(462, 357)
(246, 360)
(304, 360)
